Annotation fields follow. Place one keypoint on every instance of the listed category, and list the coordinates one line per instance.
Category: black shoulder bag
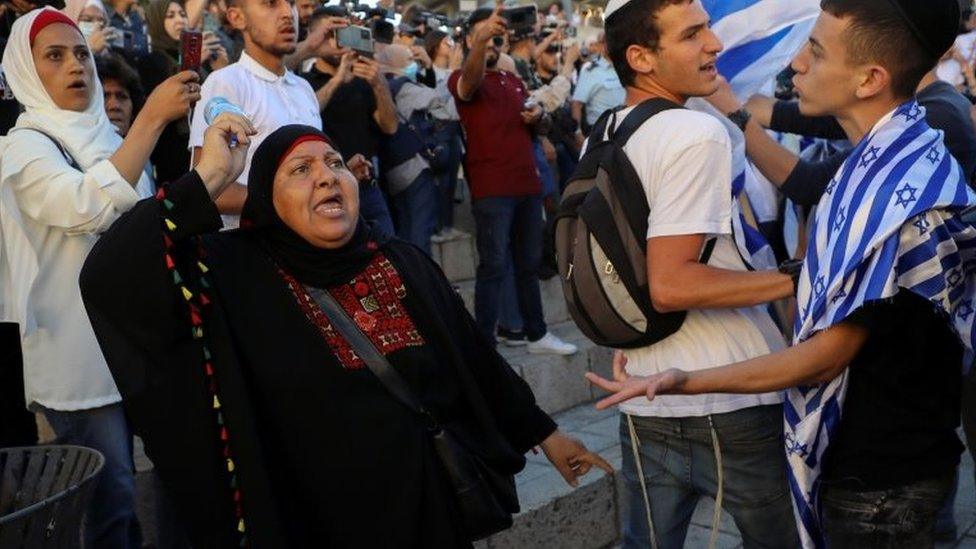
(486, 498)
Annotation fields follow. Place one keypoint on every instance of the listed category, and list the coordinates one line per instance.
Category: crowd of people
(230, 261)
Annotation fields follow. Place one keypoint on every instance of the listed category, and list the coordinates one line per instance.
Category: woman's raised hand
(224, 151)
(571, 458)
(173, 99)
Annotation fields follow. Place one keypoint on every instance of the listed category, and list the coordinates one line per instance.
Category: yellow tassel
(216, 403)
(230, 465)
(240, 526)
(203, 268)
(170, 225)
(187, 295)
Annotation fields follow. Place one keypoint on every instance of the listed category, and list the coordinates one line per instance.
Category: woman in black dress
(265, 426)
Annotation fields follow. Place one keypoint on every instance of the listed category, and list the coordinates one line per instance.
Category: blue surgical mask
(410, 71)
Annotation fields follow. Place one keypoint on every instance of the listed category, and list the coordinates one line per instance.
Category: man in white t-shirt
(260, 83)
(705, 444)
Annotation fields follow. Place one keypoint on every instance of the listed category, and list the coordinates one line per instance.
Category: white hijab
(87, 136)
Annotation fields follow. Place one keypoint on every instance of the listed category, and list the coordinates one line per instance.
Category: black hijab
(309, 264)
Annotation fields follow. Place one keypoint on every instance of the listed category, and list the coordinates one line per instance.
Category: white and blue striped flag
(760, 37)
(889, 222)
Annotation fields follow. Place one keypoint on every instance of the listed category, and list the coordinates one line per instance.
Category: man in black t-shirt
(357, 109)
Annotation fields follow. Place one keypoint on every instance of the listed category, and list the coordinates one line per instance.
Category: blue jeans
(679, 465)
(903, 516)
(416, 211)
(373, 208)
(111, 520)
(447, 179)
(549, 186)
(508, 310)
(509, 229)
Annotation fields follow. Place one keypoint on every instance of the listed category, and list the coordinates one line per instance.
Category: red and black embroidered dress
(263, 424)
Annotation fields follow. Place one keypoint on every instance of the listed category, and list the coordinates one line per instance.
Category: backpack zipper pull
(569, 273)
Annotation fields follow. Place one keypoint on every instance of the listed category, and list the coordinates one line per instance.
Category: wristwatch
(740, 118)
(792, 267)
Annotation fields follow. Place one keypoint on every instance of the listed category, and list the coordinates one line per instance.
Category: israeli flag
(760, 39)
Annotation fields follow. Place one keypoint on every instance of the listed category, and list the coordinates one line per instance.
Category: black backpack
(601, 240)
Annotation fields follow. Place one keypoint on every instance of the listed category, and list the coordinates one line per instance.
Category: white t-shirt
(949, 70)
(684, 161)
(269, 100)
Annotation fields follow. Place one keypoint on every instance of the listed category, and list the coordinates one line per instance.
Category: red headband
(49, 17)
(303, 139)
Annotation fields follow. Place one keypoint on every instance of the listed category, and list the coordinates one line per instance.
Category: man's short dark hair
(633, 23)
(323, 12)
(878, 33)
(383, 31)
(113, 67)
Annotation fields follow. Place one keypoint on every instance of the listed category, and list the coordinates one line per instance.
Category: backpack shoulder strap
(641, 113)
(599, 129)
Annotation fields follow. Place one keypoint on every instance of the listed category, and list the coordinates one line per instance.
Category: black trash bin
(44, 492)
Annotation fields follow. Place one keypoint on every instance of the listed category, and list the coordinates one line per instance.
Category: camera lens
(498, 41)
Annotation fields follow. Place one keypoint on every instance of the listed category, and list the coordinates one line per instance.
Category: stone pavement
(555, 515)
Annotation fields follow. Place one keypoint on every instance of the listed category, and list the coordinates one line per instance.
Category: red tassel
(167, 241)
(204, 300)
(223, 434)
(161, 193)
(237, 496)
(209, 369)
(195, 318)
(169, 262)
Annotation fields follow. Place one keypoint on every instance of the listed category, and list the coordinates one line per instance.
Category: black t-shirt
(900, 416)
(348, 118)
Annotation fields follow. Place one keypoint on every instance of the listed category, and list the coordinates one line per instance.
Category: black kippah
(934, 23)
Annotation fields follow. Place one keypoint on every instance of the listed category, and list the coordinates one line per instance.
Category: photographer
(357, 110)
(505, 186)
(411, 156)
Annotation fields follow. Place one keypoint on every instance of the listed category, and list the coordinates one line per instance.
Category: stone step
(553, 302)
(557, 381)
(457, 257)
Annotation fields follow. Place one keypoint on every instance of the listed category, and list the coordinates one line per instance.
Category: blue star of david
(922, 224)
(831, 185)
(818, 286)
(912, 112)
(933, 155)
(904, 200)
(965, 309)
(839, 221)
(841, 295)
(793, 446)
(869, 156)
(954, 278)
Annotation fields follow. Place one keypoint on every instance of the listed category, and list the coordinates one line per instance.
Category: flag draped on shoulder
(759, 37)
(889, 222)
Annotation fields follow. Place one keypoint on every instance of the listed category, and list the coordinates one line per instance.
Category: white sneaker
(438, 238)
(550, 344)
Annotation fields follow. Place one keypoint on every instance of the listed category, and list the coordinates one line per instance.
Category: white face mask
(88, 28)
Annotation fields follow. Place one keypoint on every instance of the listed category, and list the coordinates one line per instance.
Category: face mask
(410, 71)
(88, 28)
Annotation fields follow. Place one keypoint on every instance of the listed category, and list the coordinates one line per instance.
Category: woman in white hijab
(65, 176)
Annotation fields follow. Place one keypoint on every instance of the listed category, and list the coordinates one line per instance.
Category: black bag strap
(707, 250)
(641, 113)
(64, 153)
(374, 359)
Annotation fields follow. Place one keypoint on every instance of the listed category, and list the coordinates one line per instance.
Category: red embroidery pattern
(374, 301)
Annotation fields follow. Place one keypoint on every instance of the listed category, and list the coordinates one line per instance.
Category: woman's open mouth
(78, 85)
(330, 206)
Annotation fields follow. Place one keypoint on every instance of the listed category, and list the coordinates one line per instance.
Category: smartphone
(521, 20)
(358, 39)
(191, 48)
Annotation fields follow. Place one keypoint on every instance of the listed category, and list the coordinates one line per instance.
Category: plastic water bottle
(216, 107)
